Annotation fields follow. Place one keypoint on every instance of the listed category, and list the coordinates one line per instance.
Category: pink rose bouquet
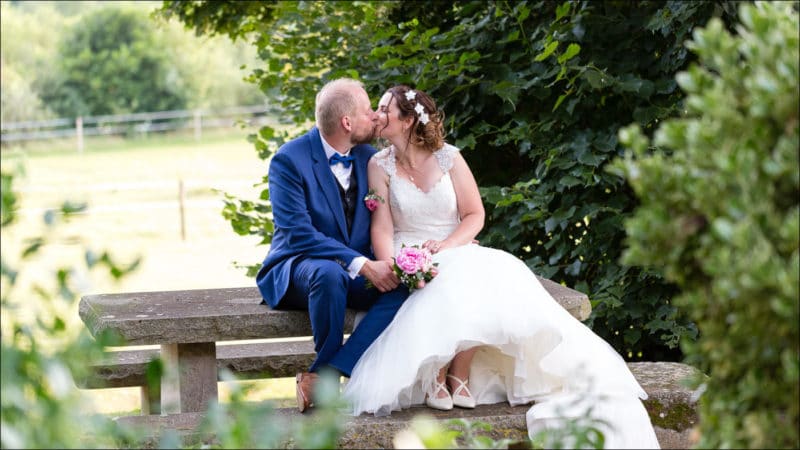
(372, 200)
(415, 267)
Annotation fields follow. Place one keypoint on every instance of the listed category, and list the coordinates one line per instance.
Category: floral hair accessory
(419, 109)
(423, 116)
(371, 200)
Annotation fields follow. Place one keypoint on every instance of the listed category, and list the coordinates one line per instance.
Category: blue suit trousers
(325, 289)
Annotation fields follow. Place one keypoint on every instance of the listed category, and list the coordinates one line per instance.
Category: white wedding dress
(531, 348)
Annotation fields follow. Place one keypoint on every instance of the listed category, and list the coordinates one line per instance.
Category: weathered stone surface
(189, 383)
(155, 424)
(126, 368)
(123, 368)
(214, 315)
(674, 439)
(670, 402)
(266, 359)
(660, 380)
(367, 431)
(576, 302)
(199, 315)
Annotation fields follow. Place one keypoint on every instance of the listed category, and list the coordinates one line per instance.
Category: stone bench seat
(253, 360)
(670, 404)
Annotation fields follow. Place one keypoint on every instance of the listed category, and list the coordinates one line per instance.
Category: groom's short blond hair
(335, 100)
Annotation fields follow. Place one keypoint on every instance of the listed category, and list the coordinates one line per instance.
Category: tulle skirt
(530, 350)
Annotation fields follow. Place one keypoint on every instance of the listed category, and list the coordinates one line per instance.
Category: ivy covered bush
(534, 93)
(720, 217)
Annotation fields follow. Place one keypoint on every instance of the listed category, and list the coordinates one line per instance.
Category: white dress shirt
(342, 175)
(341, 172)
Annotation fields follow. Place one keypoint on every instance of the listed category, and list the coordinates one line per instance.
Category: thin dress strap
(445, 156)
(386, 160)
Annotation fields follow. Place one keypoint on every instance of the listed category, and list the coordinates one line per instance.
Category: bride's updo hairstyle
(430, 135)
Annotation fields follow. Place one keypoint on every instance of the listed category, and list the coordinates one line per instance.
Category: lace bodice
(419, 215)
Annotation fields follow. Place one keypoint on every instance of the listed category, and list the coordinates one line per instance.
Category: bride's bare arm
(470, 206)
(381, 226)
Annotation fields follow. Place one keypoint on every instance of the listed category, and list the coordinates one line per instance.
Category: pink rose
(412, 260)
(415, 267)
(372, 200)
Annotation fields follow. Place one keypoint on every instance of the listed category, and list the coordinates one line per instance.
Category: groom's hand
(380, 274)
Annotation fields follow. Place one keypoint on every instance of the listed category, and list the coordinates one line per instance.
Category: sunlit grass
(126, 401)
(132, 192)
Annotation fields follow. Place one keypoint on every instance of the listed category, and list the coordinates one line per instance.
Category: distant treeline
(69, 59)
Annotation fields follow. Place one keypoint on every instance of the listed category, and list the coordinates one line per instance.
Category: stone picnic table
(187, 324)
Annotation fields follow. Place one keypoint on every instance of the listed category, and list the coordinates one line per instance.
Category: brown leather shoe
(304, 389)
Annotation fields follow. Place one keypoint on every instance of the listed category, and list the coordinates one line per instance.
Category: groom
(320, 257)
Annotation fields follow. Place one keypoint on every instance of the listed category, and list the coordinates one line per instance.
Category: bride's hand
(434, 246)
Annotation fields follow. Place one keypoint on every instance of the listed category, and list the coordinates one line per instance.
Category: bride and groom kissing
(459, 341)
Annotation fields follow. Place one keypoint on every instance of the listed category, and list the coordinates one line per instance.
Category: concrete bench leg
(189, 383)
(150, 397)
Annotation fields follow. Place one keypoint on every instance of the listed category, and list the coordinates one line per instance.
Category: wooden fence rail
(138, 123)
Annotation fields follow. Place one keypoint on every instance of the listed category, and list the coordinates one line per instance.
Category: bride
(484, 330)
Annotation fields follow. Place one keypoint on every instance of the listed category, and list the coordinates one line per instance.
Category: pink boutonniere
(372, 200)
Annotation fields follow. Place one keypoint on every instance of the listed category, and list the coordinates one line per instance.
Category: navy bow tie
(345, 160)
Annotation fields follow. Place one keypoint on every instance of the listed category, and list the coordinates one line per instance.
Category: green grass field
(132, 192)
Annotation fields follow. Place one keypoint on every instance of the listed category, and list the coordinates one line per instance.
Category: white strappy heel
(459, 398)
(436, 402)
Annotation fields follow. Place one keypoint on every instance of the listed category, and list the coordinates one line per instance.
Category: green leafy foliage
(111, 63)
(19, 100)
(534, 94)
(9, 204)
(720, 211)
(41, 407)
(23, 59)
(471, 434)
(245, 424)
(233, 18)
(540, 133)
(53, 67)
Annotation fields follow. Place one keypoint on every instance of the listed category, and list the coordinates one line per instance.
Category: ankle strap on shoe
(462, 385)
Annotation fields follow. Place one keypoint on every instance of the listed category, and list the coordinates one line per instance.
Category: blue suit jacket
(308, 214)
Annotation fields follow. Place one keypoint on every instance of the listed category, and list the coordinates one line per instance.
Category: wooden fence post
(181, 198)
(79, 133)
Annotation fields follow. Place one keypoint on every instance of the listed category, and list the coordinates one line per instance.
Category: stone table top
(212, 315)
